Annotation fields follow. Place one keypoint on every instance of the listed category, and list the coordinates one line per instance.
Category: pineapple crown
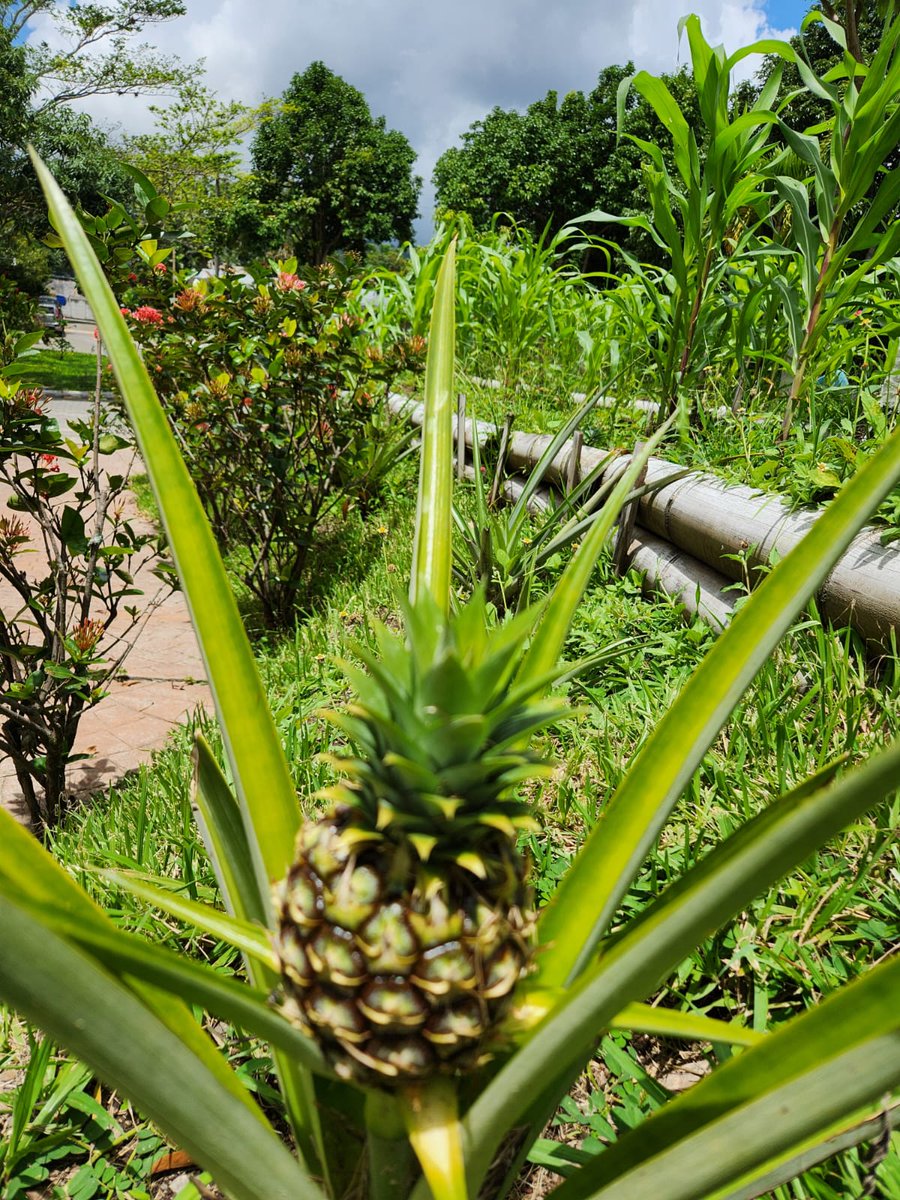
(441, 727)
(444, 715)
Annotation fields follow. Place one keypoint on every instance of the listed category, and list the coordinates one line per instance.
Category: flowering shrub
(275, 392)
(67, 558)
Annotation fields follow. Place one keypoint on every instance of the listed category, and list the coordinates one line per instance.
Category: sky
(432, 69)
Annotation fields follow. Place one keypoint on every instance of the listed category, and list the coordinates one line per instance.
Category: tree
(339, 177)
(92, 56)
(193, 157)
(555, 161)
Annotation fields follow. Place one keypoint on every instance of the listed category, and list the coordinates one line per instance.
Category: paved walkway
(160, 683)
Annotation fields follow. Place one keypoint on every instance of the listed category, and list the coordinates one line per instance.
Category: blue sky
(782, 13)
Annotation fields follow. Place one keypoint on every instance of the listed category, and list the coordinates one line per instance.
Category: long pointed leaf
(107, 1026)
(812, 1072)
(251, 940)
(715, 889)
(264, 786)
(579, 914)
(27, 870)
(432, 553)
(218, 818)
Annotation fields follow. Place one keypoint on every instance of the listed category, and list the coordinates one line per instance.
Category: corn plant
(712, 191)
(842, 236)
(436, 1075)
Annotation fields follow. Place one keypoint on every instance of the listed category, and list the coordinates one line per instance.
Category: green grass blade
(251, 940)
(813, 1072)
(432, 552)
(719, 886)
(573, 923)
(136, 1054)
(547, 644)
(222, 828)
(263, 782)
(691, 1027)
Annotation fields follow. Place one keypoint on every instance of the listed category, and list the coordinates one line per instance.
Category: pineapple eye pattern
(398, 971)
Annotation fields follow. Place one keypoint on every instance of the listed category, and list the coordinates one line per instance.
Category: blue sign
(60, 300)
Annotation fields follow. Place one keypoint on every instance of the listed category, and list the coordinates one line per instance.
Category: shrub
(67, 558)
(274, 392)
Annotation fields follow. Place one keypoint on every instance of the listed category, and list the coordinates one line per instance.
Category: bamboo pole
(733, 529)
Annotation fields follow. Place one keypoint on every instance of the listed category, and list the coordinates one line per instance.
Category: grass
(68, 370)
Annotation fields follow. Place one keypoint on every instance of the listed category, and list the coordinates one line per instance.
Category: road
(80, 335)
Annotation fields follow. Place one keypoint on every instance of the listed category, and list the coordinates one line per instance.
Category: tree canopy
(332, 176)
(92, 55)
(557, 160)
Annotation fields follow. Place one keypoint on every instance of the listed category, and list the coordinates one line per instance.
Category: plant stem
(392, 1164)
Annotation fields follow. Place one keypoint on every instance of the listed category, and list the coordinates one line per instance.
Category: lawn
(66, 370)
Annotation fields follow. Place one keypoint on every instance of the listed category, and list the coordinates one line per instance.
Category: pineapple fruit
(406, 920)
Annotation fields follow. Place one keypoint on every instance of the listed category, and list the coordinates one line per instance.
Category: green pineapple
(406, 921)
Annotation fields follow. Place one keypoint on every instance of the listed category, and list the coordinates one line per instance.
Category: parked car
(49, 314)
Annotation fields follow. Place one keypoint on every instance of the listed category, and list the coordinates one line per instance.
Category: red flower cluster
(161, 268)
(287, 281)
(49, 462)
(148, 315)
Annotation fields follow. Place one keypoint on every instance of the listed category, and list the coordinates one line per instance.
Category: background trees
(92, 54)
(193, 157)
(332, 176)
(556, 160)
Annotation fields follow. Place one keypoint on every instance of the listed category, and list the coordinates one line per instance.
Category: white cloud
(430, 70)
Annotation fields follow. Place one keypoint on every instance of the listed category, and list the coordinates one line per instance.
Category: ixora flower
(147, 315)
(86, 635)
(49, 462)
(189, 300)
(288, 281)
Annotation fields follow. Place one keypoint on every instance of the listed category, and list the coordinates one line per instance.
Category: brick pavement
(161, 682)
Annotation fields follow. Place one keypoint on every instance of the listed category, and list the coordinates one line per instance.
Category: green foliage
(557, 159)
(275, 392)
(54, 1118)
(695, 205)
(840, 241)
(193, 156)
(92, 55)
(337, 177)
(776, 1099)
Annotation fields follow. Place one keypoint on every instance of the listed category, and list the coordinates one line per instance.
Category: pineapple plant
(406, 920)
(420, 842)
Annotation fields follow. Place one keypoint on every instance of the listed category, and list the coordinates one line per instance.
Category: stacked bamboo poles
(697, 536)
